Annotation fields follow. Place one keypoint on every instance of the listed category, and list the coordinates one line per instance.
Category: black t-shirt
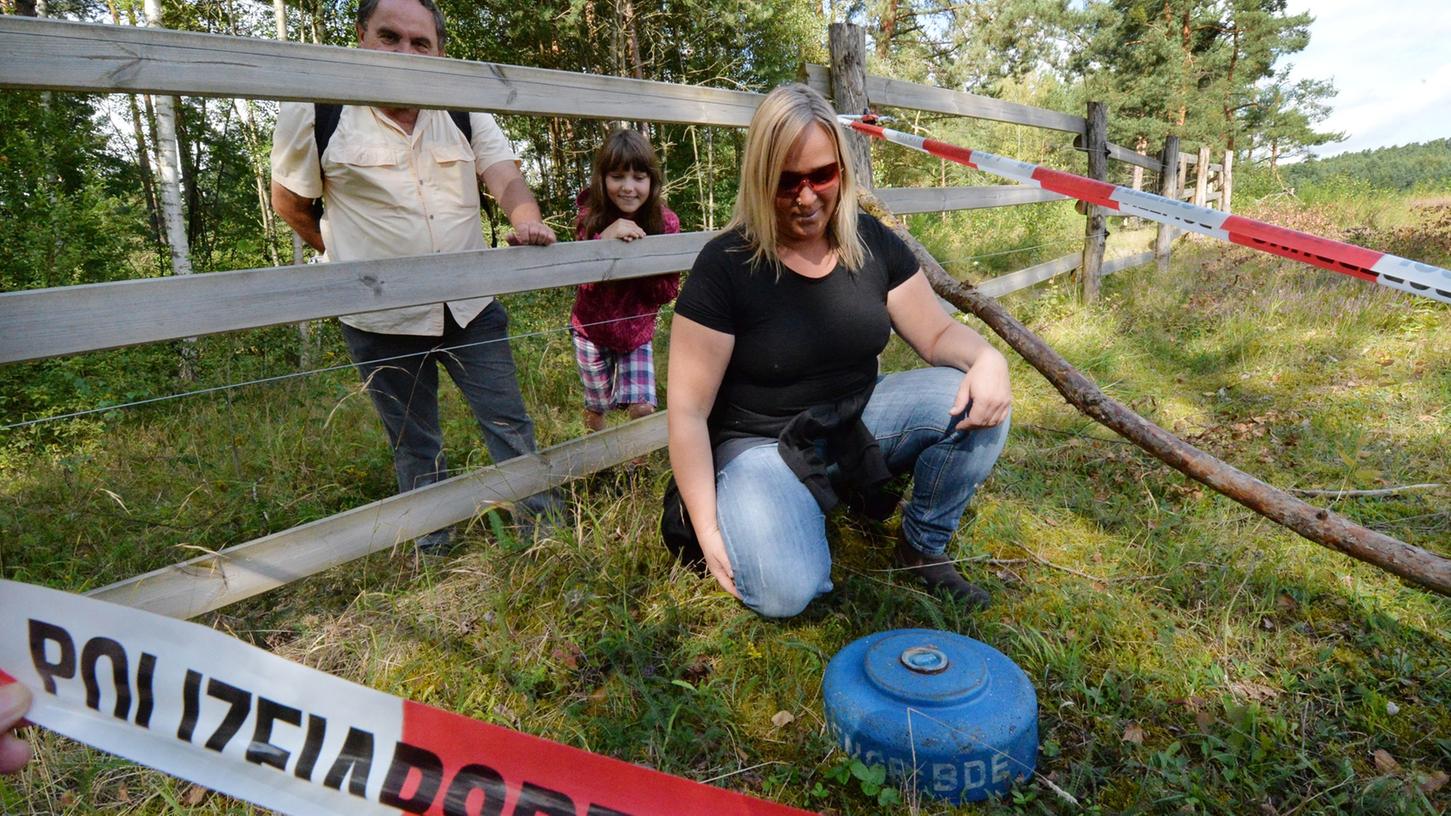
(799, 341)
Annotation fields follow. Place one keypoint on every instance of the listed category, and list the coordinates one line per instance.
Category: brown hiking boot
(593, 421)
(938, 571)
(639, 410)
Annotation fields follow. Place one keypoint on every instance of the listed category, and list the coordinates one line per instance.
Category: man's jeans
(775, 532)
(405, 393)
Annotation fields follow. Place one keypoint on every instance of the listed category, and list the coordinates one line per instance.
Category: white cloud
(1390, 62)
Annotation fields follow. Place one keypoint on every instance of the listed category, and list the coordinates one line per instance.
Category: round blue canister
(948, 716)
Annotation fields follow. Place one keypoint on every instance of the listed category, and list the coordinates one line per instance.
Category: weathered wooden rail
(212, 581)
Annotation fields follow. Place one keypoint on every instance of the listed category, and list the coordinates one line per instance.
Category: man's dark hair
(367, 7)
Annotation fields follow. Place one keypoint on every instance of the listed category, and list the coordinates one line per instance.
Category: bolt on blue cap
(925, 659)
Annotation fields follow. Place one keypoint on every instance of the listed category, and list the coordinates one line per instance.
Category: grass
(1189, 656)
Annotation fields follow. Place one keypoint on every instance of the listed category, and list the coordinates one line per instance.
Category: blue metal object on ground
(957, 711)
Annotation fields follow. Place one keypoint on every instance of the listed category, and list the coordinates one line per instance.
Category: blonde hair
(780, 120)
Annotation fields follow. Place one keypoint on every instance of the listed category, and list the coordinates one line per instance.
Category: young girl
(613, 322)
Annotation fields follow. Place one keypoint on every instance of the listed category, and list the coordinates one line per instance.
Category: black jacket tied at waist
(834, 429)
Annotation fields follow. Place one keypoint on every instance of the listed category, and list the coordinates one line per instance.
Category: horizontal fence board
(67, 56)
(1127, 262)
(212, 581)
(1023, 278)
(1192, 159)
(1123, 154)
(69, 319)
(903, 200)
(898, 94)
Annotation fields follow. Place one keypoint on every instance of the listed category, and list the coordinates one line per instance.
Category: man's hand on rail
(530, 233)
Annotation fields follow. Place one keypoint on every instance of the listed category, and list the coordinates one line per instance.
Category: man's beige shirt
(391, 194)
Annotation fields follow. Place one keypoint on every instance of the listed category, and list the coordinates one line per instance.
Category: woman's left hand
(986, 388)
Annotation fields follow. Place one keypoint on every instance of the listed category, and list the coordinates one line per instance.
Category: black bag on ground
(677, 531)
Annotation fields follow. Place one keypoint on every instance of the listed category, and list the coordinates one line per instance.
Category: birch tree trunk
(170, 172)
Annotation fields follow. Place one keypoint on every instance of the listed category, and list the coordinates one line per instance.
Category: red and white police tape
(206, 707)
(1366, 264)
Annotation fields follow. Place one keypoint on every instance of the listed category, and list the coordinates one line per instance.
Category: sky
(1390, 61)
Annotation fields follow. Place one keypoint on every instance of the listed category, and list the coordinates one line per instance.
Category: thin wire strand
(296, 374)
(1060, 242)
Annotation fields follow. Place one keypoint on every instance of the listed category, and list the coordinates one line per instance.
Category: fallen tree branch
(1379, 491)
(1420, 567)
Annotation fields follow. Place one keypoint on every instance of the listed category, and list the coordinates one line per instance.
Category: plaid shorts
(614, 379)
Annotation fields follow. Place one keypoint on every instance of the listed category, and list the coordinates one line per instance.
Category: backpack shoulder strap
(461, 120)
(491, 211)
(325, 122)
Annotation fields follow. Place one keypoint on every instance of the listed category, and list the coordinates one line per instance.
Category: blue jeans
(405, 393)
(775, 532)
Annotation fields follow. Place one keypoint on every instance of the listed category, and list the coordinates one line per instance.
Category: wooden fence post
(1201, 178)
(1182, 173)
(1095, 233)
(1169, 188)
(1226, 182)
(849, 90)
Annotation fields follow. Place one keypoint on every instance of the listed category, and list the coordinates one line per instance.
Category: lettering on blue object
(944, 777)
(970, 775)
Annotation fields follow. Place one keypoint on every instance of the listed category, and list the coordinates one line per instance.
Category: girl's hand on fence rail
(623, 229)
(14, 702)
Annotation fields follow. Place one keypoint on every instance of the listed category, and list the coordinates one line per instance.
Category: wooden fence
(66, 56)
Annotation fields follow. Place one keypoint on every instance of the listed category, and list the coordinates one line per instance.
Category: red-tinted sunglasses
(822, 177)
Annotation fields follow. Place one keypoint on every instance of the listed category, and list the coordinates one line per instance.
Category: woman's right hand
(623, 229)
(14, 702)
(716, 559)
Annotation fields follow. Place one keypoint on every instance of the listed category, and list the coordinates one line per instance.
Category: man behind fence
(398, 182)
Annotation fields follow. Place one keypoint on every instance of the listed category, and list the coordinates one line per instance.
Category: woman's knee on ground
(779, 568)
(774, 532)
(786, 593)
